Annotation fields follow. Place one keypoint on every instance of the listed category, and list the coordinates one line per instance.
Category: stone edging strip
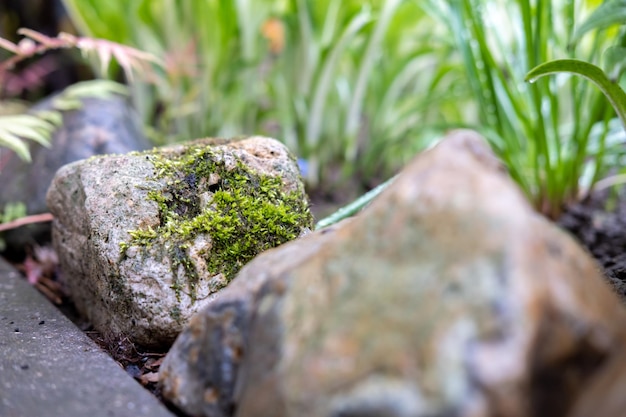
(49, 367)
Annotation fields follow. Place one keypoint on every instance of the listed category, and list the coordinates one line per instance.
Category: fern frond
(130, 59)
(14, 143)
(15, 129)
(39, 126)
(71, 97)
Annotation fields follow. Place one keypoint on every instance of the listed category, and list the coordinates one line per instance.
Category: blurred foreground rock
(448, 296)
(100, 126)
(146, 239)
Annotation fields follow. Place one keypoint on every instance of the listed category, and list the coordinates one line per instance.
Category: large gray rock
(146, 239)
(447, 296)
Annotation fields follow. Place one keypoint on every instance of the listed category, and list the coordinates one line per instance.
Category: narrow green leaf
(365, 68)
(615, 61)
(39, 135)
(53, 117)
(610, 12)
(331, 21)
(325, 79)
(14, 143)
(354, 207)
(612, 91)
(95, 88)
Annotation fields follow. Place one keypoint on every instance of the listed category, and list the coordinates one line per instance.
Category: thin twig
(22, 221)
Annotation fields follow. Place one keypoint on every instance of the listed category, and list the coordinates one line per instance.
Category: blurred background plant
(555, 135)
(10, 212)
(609, 14)
(352, 87)
(16, 125)
(357, 88)
(31, 79)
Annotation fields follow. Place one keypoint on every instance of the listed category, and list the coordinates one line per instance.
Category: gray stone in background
(49, 368)
(100, 126)
(448, 296)
(96, 202)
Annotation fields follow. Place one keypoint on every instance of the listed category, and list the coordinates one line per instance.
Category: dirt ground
(599, 223)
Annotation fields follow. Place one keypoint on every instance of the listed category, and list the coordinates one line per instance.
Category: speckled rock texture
(447, 296)
(118, 226)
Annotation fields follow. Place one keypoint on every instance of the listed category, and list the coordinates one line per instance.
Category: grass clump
(241, 212)
(346, 84)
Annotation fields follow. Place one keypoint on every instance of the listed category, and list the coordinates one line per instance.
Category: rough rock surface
(146, 239)
(100, 126)
(448, 296)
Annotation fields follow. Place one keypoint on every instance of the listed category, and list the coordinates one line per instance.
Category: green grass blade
(14, 143)
(367, 62)
(325, 82)
(593, 73)
(354, 207)
(610, 12)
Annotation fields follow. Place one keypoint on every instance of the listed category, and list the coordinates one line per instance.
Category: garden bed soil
(599, 223)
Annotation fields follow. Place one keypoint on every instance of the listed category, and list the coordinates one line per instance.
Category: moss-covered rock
(241, 211)
(146, 239)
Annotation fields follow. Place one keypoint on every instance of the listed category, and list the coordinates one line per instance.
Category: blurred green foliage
(38, 126)
(359, 87)
(356, 86)
(554, 135)
(11, 211)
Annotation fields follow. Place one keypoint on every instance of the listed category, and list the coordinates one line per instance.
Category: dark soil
(143, 365)
(599, 223)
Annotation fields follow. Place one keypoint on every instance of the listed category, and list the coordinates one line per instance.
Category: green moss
(244, 213)
(175, 314)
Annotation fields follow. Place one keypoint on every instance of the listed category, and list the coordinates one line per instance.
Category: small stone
(141, 251)
(448, 295)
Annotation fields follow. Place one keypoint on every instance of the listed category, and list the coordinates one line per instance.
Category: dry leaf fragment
(150, 377)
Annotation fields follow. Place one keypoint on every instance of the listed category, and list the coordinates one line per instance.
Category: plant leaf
(615, 61)
(14, 143)
(38, 127)
(609, 13)
(54, 117)
(354, 207)
(325, 81)
(95, 88)
(69, 99)
(366, 65)
(612, 91)
(39, 37)
(26, 126)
